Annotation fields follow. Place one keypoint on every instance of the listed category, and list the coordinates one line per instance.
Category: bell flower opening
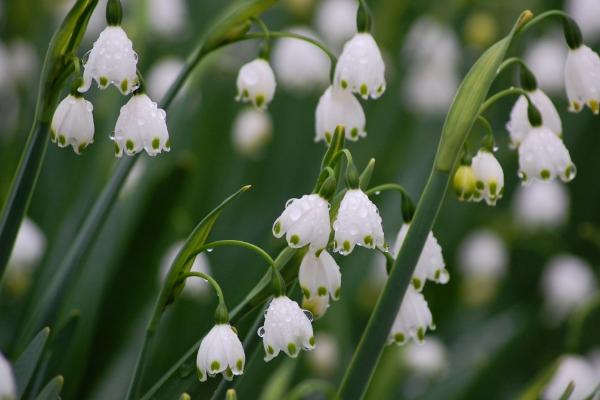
(256, 83)
(73, 123)
(220, 352)
(339, 108)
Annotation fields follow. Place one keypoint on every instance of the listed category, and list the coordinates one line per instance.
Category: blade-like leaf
(28, 361)
(52, 390)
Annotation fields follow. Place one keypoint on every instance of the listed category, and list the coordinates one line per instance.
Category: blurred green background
(495, 350)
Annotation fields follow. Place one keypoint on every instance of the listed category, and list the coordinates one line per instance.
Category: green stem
(510, 61)
(408, 208)
(576, 323)
(311, 386)
(541, 17)
(208, 279)
(504, 93)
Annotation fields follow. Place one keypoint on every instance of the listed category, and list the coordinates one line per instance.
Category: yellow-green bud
(464, 182)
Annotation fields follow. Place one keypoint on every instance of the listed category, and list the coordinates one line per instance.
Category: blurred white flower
(194, 287)
(162, 75)
(567, 283)
(73, 123)
(252, 130)
(339, 108)
(29, 247)
(287, 328)
(586, 13)
(5, 68)
(141, 126)
(582, 79)
(489, 177)
(220, 352)
(430, 89)
(167, 18)
(543, 156)
(431, 263)
(572, 368)
(546, 59)
(256, 83)
(336, 21)
(360, 67)
(320, 276)
(300, 66)
(518, 126)
(8, 387)
(413, 319)
(325, 357)
(358, 223)
(431, 42)
(305, 221)
(483, 254)
(428, 358)
(111, 61)
(541, 205)
(23, 60)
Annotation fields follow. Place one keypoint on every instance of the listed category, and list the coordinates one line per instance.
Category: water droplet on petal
(261, 331)
(377, 193)
(308, 314)
(209, 250)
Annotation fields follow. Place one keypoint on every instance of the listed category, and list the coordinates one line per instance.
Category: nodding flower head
(320, 275)
(518, 126)
(413, 319)
(8, 387)
(582, 79)
(339, 108)
(220, 352)
(489, 177)
(256, 83)
(73, 123)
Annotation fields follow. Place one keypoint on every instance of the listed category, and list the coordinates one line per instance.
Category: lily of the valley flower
(305, 221)
(320, 275)
(541, 205)
(8, 388)
(317, 305)
(360, 67)
(256, 83)
(252, 130)
(287, 328)
(220, 352)
(582, 79)
(518, 126)
(489, 177)
(141, 126)
(413, 319)
(543, 155)
(111, 61)
(431, 263)
(339, 108)
(358, 223)
(73, 123)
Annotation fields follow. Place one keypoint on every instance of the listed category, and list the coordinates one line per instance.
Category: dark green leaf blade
(28, 361)
(52, 390)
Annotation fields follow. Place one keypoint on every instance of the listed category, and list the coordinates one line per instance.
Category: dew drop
(377, 193)
(209, 250)
(308, 314)
(261, 331)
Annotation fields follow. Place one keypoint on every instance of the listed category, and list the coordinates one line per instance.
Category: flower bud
(464, 182)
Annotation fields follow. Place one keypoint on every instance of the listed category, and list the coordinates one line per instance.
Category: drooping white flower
(428, 358)
(567, 283)
(167, 18)
(429, 88)
(336, 21)
(194, 287)
(413, 319)
(287, 328)
(111, 61)
(576, 369)
(582, 79)
(23, 60)
(29, 245)
(252, 130)
(431, 263)
(360, 67)
(543, 155)
(339, 108)
(73, 123)
(586, 13)
(518, 126)
(162, 75)
(320, 275)
(141, 126)
(358, 223)
(489, 176)
(8, 387)
(429, 42)
(220, 352)
(316, 305)
(541, 205)
(300, 66)
(483, 255)
(305, 221)
(325, 357)
(545, 57)
(256, 83)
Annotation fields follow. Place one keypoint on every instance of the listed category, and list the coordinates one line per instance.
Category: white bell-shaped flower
(287, 328)
(252, 130)
(430, 88)
(8, 387)
(220, 352)
(582, 79)
(167, 18)
(27, 251)
(518, 126)
(483, 255)
(339, 108)
(489, 184)
(194, 287)
(111, 61)
(336, 20)
(325, 358)
(320, 275)
(541, 205)
(73, 123)
(543, 155)
(360, 67)
(413, 319)
(316, 305)
(431, 263)
(576, 369)
(429, 358)
(141, 126)
(305, 221)
(358, 223)
(586, 13)
(545, 57)
(256, 83)
(162, 75)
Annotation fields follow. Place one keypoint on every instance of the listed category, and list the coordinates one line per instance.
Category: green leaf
(28, 361)
(52, 390)
(535, 389)
(568, 391)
